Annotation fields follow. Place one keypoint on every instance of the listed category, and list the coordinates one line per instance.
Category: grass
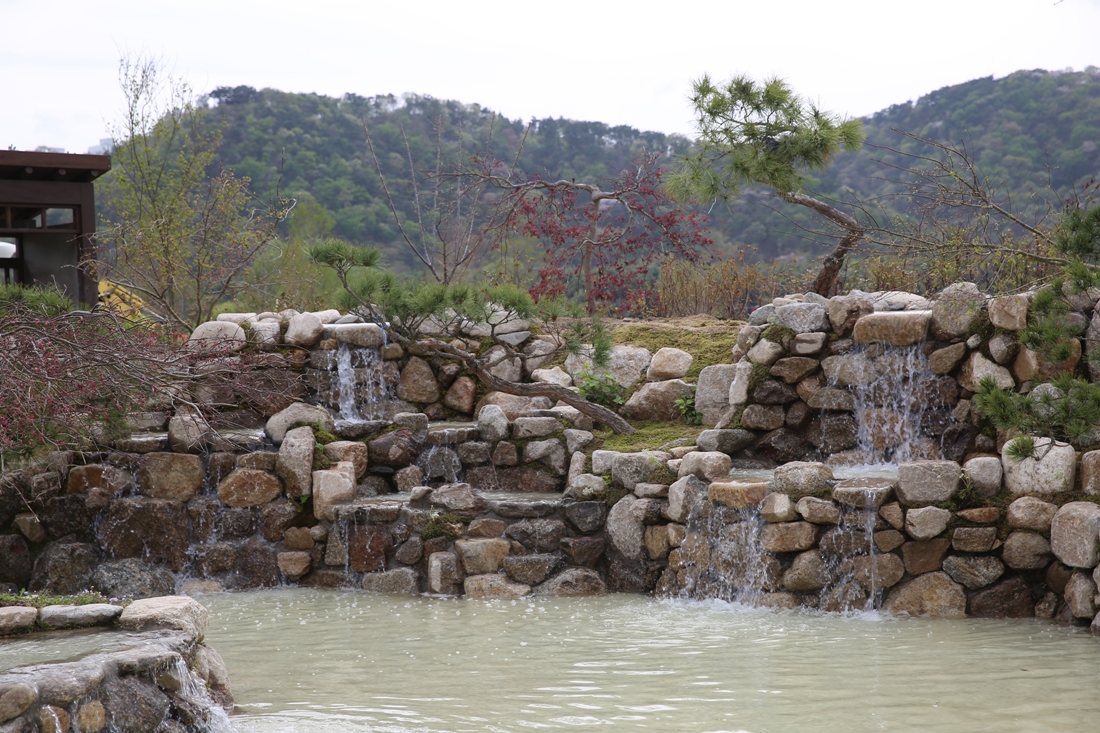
(709, 340)
(41, 600)
(438, 526)
(647, 436)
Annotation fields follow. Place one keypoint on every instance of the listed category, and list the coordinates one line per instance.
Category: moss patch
(776, 333)
(438, 526)
(648, 436)
(41, 600)
(709, 340)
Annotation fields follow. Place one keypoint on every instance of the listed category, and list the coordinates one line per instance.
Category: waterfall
(345, 384)
(360, 388)
(902, 411)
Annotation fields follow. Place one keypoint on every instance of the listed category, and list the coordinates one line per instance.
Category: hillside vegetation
(1024, 130)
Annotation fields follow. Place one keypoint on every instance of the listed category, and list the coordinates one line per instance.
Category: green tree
(176, 235)
(763, 133)
(1063, 404)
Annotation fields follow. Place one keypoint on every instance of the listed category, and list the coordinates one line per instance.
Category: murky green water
(304, 660)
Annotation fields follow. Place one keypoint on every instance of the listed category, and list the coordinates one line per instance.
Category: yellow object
(125, 303)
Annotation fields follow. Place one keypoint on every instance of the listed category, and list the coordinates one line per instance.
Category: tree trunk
(544, 389)
(431, 349)
(826, 280)
(586, 261)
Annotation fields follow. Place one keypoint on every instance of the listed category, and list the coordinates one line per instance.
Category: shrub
(601, 389)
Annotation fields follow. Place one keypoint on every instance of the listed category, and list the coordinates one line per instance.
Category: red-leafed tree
(609, 234)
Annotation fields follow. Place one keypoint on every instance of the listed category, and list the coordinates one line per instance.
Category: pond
(309, 660)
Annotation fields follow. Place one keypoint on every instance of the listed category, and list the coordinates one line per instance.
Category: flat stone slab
(900, 328)
(92, 614)
(17, 618)
(173, 612)
(863, 493)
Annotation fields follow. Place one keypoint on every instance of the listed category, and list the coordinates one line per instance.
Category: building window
(10, 261)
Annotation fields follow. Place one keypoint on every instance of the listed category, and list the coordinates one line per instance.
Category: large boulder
(399, 580)
(808, 573)
(494, 586)
(932, 594)
(927, 482)
(458, 498)
(1028, 512)
(173, 476)
(656, 401)
(624, 527)
(1026, 551)
(782, 446)
(1075, 534)
(1080, 595)
(738, 493)
(626, 366)
(926, 522)
(849, 370)
(480, 556)
(712, 391)
(788, 537)
(154, 530)
(64, 568)
(669, 363)
(956, 311)
(188, 431)
(331, 489)
(685, 498)
(1049, 470)
(15, 566)
(846, 310)
(418, 382)
(900, 328)
(513, 405)
(802, 478)
(985, 474)
(492, 423)
(630, 469)
(573, 582)
(304, 330)
(802, 317)
(975, 571)
(727, 441)
(707, 465)
(397, 449)
(1011, 598)
(297, 413)
(1009, 312)
(132, 578)
(294, 463)
(217, 336)
(249, 487)
(179, 613)
(977, 367)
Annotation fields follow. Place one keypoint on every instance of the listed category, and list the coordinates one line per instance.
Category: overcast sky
(618, 62)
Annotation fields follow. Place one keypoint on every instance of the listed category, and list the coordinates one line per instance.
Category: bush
(601, 389)
(729, 288)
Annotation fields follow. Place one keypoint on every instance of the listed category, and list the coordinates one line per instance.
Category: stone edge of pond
(160, 676)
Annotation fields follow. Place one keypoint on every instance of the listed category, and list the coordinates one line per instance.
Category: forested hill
(1021, 128)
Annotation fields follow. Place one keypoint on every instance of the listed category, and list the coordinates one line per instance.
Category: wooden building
(47, 219)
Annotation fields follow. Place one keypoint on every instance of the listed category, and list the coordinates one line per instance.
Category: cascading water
(360, 387)
(904, 408)
(345, 384)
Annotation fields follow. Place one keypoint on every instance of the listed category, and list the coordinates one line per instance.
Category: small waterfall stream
(902, 412)
(360, 389)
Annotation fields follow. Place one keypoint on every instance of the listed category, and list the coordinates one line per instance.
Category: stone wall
(159, 676)
(140, 524)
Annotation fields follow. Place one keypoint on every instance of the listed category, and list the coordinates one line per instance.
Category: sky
(617, 62)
